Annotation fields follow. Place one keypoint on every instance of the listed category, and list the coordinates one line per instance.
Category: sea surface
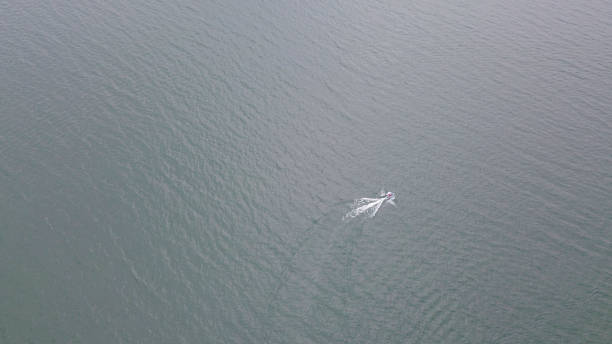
(178, 171)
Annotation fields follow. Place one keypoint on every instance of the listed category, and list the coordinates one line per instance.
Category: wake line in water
(369, 206)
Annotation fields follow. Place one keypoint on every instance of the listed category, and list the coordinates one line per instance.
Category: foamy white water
(369, 206)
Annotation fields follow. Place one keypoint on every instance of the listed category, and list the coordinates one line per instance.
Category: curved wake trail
(369, 206)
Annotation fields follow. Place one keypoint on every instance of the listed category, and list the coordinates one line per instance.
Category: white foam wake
(369, 206)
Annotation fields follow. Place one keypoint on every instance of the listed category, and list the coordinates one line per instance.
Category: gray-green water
(177, 172)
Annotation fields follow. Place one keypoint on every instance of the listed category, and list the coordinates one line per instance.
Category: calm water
(177, 172)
